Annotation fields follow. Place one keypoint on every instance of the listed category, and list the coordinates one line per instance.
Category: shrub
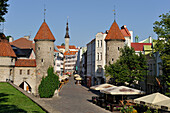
(48, 84)
(126, 109)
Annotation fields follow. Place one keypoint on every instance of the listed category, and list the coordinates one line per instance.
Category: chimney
(123, 27)
(150, 39)
(27, 37)
(11, 39)
(107, 31)
(131, 33)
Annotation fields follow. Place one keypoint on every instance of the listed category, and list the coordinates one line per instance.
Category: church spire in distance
(67, 37)
(67, 29)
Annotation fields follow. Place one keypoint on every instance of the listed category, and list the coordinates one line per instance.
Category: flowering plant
(126, 109)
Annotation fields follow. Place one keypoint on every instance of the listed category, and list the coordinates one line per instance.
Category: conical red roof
(114, 33)
(5, 48)
(44, 33)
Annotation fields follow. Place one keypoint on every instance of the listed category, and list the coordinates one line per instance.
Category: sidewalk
(74, 99)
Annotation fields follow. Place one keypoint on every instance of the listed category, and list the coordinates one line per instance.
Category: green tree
(62, 44)
(7, 37)
(130, 67)
(48, 84)
(3, 9)
(162, 29)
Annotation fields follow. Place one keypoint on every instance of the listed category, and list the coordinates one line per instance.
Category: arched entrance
(24, 85)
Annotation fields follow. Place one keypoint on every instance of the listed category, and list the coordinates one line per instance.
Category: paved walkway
(74, 99)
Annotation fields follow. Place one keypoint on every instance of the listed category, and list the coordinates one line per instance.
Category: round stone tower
(114, 41)
(44, 51)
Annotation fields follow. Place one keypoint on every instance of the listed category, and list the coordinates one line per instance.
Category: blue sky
(86, 17)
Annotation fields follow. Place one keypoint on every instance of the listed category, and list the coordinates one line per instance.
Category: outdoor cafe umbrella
(165, 104)
(151, 100)
(101, 86)
(122, 90)
(65, 76)
(76, 75)
(78, 78)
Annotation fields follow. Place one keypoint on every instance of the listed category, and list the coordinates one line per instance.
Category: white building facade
(80, 60)
(100, 53)
(58, 62)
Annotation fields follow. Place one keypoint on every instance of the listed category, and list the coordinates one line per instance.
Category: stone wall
(29, 77)
(6, 73)
(112, 50)
(7, 61)
(44, 58)
(6, 68)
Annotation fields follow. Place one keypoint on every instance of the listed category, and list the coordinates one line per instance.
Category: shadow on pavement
(94, 91)
(89, 100)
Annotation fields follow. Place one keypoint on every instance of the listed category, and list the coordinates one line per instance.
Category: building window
(38, 48)
(150, 69)
(98, 43)
(50, 48)
(100, 55)
(101, 42)
(118, 48)
(108, 48)
(28, 72)
(99, 70)
(20, 71)
(97, 56)
(12, 60)
(10, 71)
(112, 59)
(42, 60)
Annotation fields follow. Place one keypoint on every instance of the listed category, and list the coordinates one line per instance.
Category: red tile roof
(139, 46)
(44, 33)
(70, 53)
(125, 31)
(56, 50)
(23, 43)
(114, 33)
(33, 46)
(70, 47)
(25, 63)
(5, 48)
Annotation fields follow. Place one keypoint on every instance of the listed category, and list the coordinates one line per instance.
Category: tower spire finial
(67, 18)
(67, 29)
(114, 13)
(44, 12)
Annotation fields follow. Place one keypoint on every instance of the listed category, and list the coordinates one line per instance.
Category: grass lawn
(13, 101)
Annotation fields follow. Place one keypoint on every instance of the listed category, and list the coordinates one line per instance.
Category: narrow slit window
(28, 72)
(20, 71)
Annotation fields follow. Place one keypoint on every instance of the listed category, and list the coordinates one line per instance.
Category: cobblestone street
(74, 99)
